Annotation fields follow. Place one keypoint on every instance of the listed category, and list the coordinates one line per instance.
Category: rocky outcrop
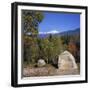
(66, 61)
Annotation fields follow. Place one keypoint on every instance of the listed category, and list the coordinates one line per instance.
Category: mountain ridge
(69, 32)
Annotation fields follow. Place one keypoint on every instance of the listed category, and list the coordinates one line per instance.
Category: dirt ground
(48, 70)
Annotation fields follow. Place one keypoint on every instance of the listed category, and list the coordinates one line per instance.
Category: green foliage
(49, 48)
(30, 22)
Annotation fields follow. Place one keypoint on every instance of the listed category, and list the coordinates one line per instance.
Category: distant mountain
(69, 33)
(43, 35)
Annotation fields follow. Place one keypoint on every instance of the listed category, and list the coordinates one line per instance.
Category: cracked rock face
(66, 61)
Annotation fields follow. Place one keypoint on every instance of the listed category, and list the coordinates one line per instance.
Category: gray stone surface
(41, 62)
(66, 61)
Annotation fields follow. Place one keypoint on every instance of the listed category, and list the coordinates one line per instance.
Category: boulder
(66, 61)
(41, 62)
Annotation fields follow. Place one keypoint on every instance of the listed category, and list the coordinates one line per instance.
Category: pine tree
(30, 23)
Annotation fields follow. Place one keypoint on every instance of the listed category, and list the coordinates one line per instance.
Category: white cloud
(49, 32)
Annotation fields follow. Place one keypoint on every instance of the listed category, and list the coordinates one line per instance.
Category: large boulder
(41, 62)
(66, 61)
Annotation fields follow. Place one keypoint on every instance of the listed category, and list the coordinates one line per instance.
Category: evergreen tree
(30, 23)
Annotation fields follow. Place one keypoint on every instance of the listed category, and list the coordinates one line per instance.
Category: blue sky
(58, 22)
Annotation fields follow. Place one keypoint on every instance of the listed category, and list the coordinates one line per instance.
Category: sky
(55, 22)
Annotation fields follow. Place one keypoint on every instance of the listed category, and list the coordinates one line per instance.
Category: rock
(66, 61)
(41, 63)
